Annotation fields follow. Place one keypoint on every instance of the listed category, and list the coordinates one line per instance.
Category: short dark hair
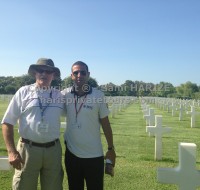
(80, 63)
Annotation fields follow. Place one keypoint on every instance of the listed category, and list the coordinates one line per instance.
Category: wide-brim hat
(44, 62)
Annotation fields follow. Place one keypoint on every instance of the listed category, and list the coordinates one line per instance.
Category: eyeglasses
(43, 70)
(83, 73)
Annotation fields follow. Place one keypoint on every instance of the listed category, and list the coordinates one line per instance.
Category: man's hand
(110, 154)
(15, 160)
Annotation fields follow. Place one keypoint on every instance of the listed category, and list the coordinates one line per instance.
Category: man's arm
(110, 154)
(13, 155)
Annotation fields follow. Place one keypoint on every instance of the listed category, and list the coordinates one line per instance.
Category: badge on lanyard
(42, 126)
(76, 125)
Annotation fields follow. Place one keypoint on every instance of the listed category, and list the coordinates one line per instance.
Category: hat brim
(32, 69)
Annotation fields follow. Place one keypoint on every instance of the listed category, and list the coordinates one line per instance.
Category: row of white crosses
(177, 104)
(171, 105)
(185, 174)
(157, 130)
(118, 104)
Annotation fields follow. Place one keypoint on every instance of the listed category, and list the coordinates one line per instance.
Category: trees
(67, 82)
(187, 90)
(163, 89)
(9, 85)
(110, 89)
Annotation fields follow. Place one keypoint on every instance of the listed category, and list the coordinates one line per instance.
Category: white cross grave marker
(168, 107)
(145, 109)
(4, 164)
(173, 106)
(192, 113)
(158, 131)
(150, 117)
(185, 175)
(181, 109)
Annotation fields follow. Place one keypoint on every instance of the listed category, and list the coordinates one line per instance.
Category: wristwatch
(111, 148)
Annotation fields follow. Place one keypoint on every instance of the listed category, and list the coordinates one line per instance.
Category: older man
(37, 108)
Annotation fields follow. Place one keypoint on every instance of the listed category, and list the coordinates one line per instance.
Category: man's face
(44, 76)
(80, 75)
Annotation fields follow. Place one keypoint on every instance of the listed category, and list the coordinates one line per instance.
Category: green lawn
(135, 166)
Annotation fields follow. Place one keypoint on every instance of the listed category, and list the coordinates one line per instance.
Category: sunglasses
(43, 70)
(83, 73)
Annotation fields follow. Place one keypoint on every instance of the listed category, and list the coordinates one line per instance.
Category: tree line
(188, 90)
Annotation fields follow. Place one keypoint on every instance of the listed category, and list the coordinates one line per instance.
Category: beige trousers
(43, 162)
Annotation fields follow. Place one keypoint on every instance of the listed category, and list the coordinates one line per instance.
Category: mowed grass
(135, 168)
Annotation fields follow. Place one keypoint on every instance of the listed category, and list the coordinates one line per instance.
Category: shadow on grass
(115, 134)
(118, 134)
(3, 150)
(169, 160)
(153, 136)
(125, 135)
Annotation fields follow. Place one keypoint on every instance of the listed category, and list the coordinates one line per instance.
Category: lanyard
(42, 109)
(75, 105)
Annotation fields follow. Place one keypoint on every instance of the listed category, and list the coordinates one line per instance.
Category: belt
(45, 145)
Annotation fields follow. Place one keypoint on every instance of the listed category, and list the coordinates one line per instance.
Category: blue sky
(143, 40)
